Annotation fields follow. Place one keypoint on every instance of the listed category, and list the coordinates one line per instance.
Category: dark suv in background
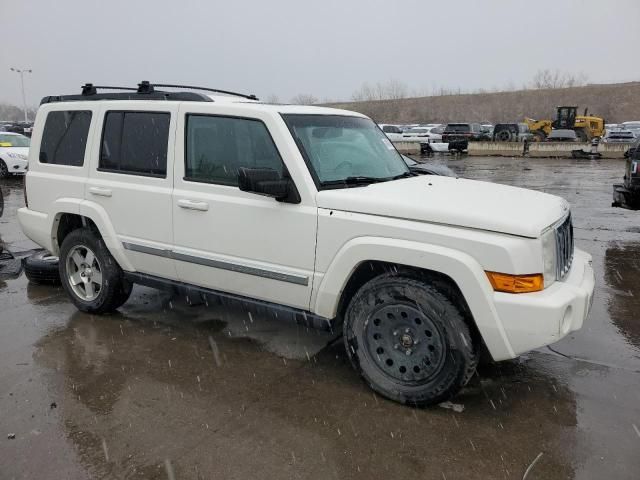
(458, 135)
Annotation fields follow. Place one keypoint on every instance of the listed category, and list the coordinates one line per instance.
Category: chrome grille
(564, 248)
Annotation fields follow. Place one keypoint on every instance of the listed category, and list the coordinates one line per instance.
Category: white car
(305, 208)
(14, 150)
(393, 132)
(620, 135)
(422, 134)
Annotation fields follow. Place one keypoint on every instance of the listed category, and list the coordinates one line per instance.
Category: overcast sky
(324, 47)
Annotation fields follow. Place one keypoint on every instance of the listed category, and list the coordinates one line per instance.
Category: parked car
(393, 132)
(14, 150)
(512, 132)
(619, 135)
(23, 128)
(562, 135)
(627, 194)
(309, 208)
(458, 135)
(422, 133)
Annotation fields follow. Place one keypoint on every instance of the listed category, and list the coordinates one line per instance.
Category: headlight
(549, 256)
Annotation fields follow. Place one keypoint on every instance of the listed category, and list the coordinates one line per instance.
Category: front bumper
(533, 320)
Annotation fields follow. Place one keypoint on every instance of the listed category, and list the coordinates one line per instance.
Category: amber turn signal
(503, 282)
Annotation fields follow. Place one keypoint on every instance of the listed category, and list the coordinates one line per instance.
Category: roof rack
(144, 91)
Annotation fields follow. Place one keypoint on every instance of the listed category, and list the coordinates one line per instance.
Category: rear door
(132, 177)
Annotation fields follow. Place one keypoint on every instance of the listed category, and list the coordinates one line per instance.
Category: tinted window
(135, 142)
(64, 138)
(458, 127)
(218, 146)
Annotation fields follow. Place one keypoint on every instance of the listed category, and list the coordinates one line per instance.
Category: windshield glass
(338, 148)
(458, 127)
(15, 140)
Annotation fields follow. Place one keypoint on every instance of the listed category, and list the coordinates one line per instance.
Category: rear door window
(135, 143)
(64, 138)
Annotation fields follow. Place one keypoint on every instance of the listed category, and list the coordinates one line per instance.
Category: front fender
(463, 269)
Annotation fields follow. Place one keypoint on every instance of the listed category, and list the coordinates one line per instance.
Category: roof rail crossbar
(91, 89)
(215, 90)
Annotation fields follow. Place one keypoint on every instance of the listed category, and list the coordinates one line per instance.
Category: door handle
(103, 192)
(193, 205)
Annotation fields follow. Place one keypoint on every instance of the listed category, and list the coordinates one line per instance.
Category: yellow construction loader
(586, 126)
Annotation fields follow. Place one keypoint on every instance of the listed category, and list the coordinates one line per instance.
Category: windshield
(14, 140)
(338, 148)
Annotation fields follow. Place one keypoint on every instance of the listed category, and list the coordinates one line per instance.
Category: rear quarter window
(64, 138)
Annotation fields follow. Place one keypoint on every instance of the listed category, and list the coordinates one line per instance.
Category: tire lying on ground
(42, 268)
(408, 340)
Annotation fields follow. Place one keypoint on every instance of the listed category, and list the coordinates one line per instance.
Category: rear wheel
(408, 341)
(504, 136)
(90, 275)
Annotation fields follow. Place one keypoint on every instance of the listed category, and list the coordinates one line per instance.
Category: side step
(302, 317)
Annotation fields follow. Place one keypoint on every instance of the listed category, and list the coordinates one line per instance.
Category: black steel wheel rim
(404, 343)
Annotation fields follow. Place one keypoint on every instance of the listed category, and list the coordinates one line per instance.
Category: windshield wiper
(353, 181)
(410, 173)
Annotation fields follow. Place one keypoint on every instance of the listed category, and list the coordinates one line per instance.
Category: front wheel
(90, 275)
(408, 341)
(4, 171)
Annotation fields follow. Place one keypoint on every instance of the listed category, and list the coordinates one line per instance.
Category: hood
(452, 201)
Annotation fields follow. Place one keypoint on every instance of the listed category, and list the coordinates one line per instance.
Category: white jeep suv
(307, 208)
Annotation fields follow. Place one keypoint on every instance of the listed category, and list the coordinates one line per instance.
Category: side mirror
(268, 182)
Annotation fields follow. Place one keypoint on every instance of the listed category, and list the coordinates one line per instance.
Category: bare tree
(546, 78)
(390, 90)
(273, 99)
(304, 99)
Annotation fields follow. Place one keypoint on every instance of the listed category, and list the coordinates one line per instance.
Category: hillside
(617, 102)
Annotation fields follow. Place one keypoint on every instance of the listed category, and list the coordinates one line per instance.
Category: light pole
(24, 100)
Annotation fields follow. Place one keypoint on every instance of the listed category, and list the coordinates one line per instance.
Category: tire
(503, 136)
(4, 170)
(538, 136)
(90, 275)
(42, 269)
(408, 341)
(582, 136)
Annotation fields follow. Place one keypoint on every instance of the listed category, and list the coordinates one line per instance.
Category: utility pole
(24, 99)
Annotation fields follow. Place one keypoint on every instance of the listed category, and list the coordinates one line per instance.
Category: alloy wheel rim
(404, 344)
(84, 273)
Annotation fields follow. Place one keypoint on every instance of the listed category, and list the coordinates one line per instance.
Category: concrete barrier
(496, 149)
(544, 149)
(408, 148)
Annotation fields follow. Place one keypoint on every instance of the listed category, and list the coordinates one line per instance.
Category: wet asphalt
(168, 390)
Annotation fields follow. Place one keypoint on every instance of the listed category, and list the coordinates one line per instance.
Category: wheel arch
(93, 216)
(364, 258)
